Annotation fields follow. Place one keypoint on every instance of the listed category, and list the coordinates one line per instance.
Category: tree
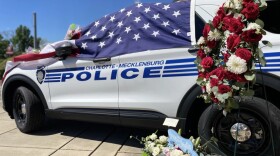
(3, 46)
(22, 38)
(31, 41)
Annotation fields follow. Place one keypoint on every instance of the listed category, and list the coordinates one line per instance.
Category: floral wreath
(228, 51)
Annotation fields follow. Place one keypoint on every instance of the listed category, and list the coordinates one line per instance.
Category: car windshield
(273, 10)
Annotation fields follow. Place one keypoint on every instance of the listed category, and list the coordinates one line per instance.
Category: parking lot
(68, 138)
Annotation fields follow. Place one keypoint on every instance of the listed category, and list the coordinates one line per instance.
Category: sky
(55, 16)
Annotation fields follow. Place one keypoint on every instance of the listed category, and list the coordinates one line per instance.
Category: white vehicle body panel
(94, 90)
(159, 87)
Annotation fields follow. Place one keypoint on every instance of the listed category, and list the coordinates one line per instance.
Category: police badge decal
(40, 74)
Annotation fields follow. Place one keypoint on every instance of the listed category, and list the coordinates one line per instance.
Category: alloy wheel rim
(256, 139)
(21, 109)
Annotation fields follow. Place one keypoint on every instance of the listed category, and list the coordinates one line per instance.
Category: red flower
(219, 72)
(226, 22)
(243, 53)
(251, 36)
(226, 56)
(206, 30)
(223, 89)
(201, 75)
(221, 12)
(240, 78)
(251, 11)
(235, 25)
(214, 82)
(236, 77)
(245, 2)
(233, 41)
(201, 54)
(207, 62)
(216, 21)
(215, 100)
(211, 44)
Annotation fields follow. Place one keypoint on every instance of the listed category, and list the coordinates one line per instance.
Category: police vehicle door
(83, 83)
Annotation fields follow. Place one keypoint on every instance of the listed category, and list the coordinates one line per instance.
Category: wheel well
(192, 107)
(12, 84)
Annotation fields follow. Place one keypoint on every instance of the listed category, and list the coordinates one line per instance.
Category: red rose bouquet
(228, 51)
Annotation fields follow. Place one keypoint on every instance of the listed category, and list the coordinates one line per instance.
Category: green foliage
(3, 46)
(22, 38)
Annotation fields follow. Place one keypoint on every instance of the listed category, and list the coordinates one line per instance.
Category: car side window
(199, 25)
(272, 10)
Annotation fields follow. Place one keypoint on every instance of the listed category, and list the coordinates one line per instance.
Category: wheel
(27, 110)
(252, 122)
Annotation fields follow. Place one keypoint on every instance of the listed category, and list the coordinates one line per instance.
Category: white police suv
(136, 67)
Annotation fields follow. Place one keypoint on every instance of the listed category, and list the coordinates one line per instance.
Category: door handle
(193, 50)
(101, 60)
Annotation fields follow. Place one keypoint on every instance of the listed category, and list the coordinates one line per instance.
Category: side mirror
(63, 51)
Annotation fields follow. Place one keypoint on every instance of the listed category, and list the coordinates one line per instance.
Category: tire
(28, 110)
(253, 113)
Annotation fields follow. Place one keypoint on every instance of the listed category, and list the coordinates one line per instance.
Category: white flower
(176, 153)
(235, 87)
(236, 65)
(263, 3)
(233, 4)
(214, 35)
(201, 40)
(155, 151)
(150, 147)
(253, 26)
(207, 49)
(163, 139)
(222, 97)
(153, 136)
(208, 87)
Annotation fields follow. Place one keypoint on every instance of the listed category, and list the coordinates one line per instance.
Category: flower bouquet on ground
(228, 51)
(173, 145)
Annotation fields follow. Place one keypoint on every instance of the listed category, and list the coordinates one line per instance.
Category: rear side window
(199, 25)
(270, 16)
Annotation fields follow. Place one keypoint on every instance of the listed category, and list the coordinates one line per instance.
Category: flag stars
(166, 7)
(122, 10)
(93, 37)
(137, 19)
(84, 45)
(157, 4)
(176, 13)
(146, 26)
(112, 18)
(176, 31)
(129, 13)
(156, 16)
(147, 10)
(88, 33)
(127, 29)
(165, 24)
(136, 37)
(120, 24)
(155, 33)
(111, 34)
(102, 44)
(139, 5)
(103, 28)
(96, 23)
(119, 40)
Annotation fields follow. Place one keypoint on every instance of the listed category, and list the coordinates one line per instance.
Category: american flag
(137, 28)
